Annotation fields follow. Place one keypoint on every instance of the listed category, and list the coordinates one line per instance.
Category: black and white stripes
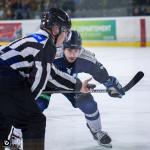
(61, 79)
(31, 56)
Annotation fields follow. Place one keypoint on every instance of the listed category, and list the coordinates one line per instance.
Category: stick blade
(134, 81)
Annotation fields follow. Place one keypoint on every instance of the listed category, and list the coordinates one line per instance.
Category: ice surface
(127, 120)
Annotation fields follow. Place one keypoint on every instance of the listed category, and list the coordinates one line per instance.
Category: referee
(25, 66)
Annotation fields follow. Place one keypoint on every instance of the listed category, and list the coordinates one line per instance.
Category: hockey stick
(134, 81)
(126, 88)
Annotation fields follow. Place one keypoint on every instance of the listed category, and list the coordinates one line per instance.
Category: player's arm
(113, 86)
(61, 80)
(100, 74)
(43, 100)
(93, 67)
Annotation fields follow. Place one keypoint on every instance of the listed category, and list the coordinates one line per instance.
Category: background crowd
(31, 9)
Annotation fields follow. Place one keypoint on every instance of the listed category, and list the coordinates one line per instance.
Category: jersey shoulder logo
(87, 55)
(39, 37)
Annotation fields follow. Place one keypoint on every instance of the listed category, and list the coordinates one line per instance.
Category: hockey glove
(114, 87)
(43, 101)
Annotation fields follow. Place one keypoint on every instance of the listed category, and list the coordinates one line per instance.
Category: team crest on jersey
(69, 70)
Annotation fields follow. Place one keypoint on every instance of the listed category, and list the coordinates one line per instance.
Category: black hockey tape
(91, 86)
(134, 81)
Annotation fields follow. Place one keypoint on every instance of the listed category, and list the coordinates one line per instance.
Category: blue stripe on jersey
(6, 49)
(38, 37)
(14, 60)
(17, 59)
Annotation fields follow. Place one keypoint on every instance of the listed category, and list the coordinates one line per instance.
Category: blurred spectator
(47, 4)
(43, 4)
(148, 11)
(21, 9)
(68, 6)
(31, 9)
(7, 9)
(54, 3)
(1, 9)
(136, 11)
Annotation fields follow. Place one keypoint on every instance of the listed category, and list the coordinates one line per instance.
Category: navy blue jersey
(85, 63)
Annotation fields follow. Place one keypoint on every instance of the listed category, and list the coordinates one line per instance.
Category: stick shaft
(63, 91)
(138, 76)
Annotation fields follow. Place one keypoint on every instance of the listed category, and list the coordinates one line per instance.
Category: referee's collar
(44, 32)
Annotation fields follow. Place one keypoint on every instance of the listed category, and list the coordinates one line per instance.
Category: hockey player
(74, 60)
(25, 66)
(77, 60)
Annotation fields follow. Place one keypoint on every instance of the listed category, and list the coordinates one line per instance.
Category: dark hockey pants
(18, 108)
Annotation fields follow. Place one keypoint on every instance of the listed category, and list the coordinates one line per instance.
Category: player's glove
(43, 101)
(114, 87)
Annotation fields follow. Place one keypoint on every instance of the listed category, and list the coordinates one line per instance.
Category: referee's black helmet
(56, 16)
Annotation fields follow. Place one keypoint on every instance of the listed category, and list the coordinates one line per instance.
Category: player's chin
(71, 60)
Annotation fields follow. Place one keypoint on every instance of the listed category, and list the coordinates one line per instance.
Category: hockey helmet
(56, 16)
(74, 41)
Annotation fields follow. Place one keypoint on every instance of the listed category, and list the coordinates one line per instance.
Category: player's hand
(114, 87)
(85, 86)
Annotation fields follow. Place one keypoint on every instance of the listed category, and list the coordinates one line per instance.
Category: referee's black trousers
(18, 108)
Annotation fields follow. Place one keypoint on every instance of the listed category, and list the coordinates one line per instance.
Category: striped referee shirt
(32, 56)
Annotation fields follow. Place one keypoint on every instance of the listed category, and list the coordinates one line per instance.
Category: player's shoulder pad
(38, 37)
(87, 55)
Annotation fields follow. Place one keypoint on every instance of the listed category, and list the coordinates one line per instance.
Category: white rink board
(127, 120)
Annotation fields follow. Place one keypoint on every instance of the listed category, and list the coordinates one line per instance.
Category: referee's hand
(85, 86)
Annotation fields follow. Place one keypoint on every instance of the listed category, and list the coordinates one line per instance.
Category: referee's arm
(41, 68)
(61, 80)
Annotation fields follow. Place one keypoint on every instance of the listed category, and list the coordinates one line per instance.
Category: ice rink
(127, 120)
